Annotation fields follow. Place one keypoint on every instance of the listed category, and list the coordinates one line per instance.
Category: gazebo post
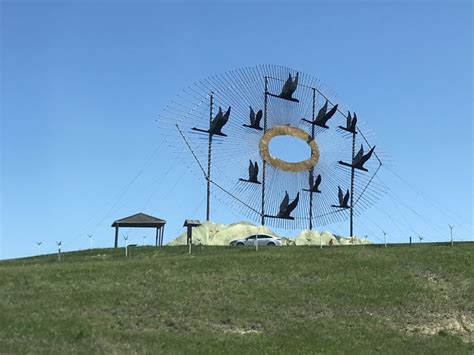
(116, 236)
(157, 236)
(162, 233)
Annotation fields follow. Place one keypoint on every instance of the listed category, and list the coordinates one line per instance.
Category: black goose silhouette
(253, 173)
(286, 208)
(351, 123)
(288, 89)
(255, 119)
(314, 185)
(360, 159)
(323, 116)
(217, 123)
(343, 199)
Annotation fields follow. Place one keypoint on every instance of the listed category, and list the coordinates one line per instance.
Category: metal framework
(226, 112)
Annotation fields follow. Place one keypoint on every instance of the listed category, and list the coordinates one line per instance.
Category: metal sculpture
(288, 89)
(216, 124)
(253, 173)
(255, 119)
(323, 116)
(267, 102)
(286, 207)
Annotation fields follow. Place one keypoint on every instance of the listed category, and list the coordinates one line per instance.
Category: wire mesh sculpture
(232, 149)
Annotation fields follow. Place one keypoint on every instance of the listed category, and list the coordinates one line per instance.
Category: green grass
(235, 300)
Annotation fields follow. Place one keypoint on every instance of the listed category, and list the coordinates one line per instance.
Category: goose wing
(293, 204)
(287, 85)
(225, 117)
(330, 113)
(348, 120)
(318, 182)
(358, 156)
(258, 118)
(366, 157)
(215, 121)
(322, 112)
(294, 83)
(252, 116)
(346, 199)
(284, 203)
(354, 122)
(340, 196)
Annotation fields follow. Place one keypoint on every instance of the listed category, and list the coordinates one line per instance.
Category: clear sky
(83, 82)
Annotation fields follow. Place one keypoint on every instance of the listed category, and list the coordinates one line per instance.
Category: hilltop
(354, 299)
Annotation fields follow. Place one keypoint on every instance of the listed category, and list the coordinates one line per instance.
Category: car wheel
(271, 244)
(240, 244)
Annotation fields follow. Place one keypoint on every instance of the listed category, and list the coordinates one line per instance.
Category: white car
(263, 240)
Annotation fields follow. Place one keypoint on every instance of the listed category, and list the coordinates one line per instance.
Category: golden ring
(284, 165)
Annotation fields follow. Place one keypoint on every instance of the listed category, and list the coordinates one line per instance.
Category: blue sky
(82, 85)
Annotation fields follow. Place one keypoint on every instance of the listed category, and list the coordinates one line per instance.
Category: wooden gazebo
(141, 220)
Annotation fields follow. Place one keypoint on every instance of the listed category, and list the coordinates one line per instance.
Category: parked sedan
(263, 239)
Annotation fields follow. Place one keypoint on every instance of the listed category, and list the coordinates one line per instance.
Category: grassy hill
(235, 300)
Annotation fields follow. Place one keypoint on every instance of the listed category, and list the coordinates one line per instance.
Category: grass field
(221, 300)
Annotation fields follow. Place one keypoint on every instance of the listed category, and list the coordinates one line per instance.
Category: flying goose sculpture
(286, 208)
(351, 123)
(253, 173)
(289, 87)
(314, 185)
(323, 116)
(255, 119)
(343, 199)
(359, 159)
(217, 123)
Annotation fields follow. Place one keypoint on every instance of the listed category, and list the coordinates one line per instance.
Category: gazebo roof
(191, 223)
(139, 220)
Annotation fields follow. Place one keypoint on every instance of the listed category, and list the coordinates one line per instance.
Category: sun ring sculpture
(221, 128)
(284, 165)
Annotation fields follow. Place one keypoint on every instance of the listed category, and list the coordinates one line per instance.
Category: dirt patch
(227, 327)
(439, 324)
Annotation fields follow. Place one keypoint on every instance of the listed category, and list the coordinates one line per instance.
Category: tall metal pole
(385, 238)
(311, 172)
(264, 163)
(59, 250)
(451, 227)
(209, 151)
(351, 219)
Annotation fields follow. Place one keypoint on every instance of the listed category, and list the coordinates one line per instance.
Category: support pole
(311, 172)
(162, 229)
(116, 236)
(264, 163)
(351, 219)
(189, 235)
(59, 250)
(209, 156)
(157, 236)
(452, 240)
